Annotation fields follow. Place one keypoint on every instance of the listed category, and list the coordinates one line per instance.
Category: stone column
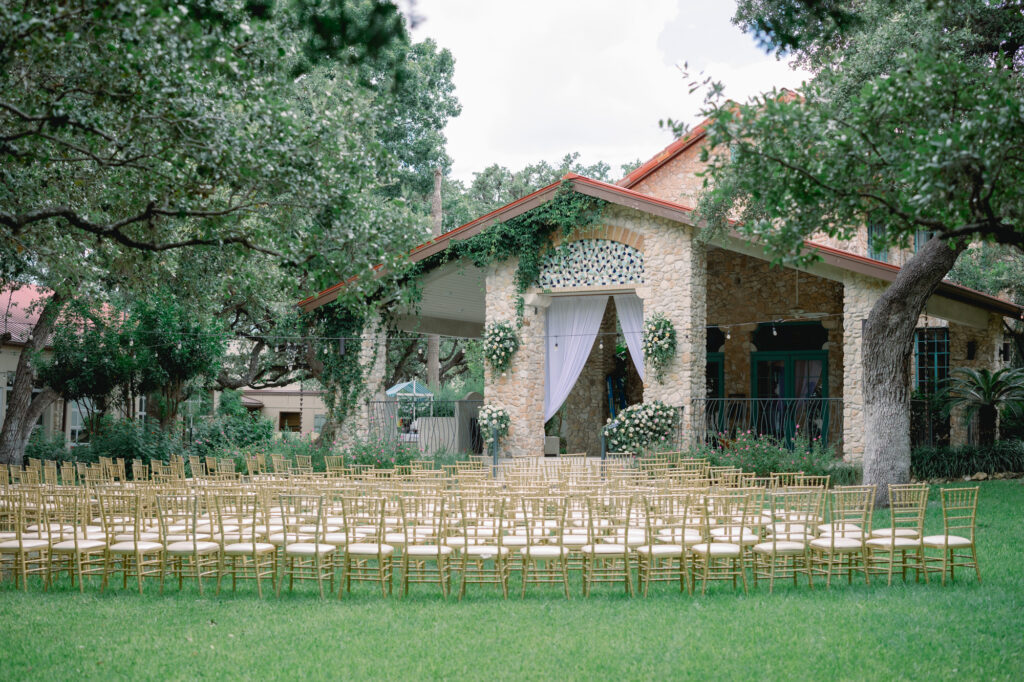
(986, 344)
(859, 295)
(675, 267)
(520, 390)
(373, 360)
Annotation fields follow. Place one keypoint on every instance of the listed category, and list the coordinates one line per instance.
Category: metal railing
(432, 426)
(717, 419)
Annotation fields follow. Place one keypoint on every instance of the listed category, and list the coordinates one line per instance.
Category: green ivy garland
(342, 375)
(525, 237)
(659, 343)
(500, 345)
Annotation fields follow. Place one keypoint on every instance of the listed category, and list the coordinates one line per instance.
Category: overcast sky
(539, 79)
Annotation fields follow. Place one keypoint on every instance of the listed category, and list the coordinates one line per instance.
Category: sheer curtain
(573, 323)
(631, 317)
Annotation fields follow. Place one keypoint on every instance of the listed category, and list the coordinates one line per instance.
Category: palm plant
(984, 393)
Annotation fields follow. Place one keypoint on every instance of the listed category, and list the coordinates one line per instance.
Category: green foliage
(41, 446)
(525, 238)
(232, 429)
(659, 343)
(382, 454)
(130, 440)
(967, 460)
(500, 345)
(641, 427)
(764, 455)
(341, 374)
(983, 394)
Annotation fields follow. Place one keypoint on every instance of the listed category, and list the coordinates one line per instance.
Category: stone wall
(373, 360)
(677, 180)
(745, 290)
(586, 408)
(859, 295)
(986, 356)
(520, 390)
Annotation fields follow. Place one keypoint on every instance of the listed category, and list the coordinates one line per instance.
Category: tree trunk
(433, 340)
(888, 344)
(25, 407)
(988, 416)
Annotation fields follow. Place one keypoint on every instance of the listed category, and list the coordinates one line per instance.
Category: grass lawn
(914, 631)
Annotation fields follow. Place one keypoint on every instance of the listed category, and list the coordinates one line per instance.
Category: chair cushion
(428, 550)
(369, 549)
(660, 550)
(574, 540)
(718, 549)
(83, 545)
(186, 547)
(129, 547)
(827, 527)
(890, 542)
(781, 547)
(129, 537)
(603, 548)
(486, 551)
(899, 532)
(339, 539)
(946, 541)
(309, 549)
(544, 551)
(837, 544)
(240, 548)
(24, 544)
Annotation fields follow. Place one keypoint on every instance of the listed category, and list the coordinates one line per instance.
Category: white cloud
(540, 79)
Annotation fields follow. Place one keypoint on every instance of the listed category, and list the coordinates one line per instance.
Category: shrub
(641, 427)
(231, 429)
(42, 447)
(966, 460)
(382, 455)
(764, 455)
(128, 439)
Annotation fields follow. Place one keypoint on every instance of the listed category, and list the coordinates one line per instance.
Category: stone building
(768, 348)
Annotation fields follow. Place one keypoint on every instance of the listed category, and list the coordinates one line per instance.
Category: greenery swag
(641, 427)
(659, 343)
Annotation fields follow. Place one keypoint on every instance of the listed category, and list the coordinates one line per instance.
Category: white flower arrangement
(500, 344)
(491, 419)
(659, 343)
(640, 427)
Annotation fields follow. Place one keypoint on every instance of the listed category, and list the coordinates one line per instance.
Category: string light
(775, 332)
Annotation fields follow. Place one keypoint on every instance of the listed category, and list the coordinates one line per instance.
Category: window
(931, 351)
(81, 411)
(920, 238)
(6, 386)
(876, 246)
(318, 422)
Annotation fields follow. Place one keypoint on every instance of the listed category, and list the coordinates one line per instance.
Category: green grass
(912, 631)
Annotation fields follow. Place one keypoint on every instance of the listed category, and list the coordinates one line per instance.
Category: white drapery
(573, 323)
(631, 318)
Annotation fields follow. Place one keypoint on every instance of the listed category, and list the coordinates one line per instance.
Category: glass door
(789, 390)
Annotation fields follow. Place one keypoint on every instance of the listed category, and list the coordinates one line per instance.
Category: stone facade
(373, 352)
(744, 290)
(677, 180)
(985, 348)
(859, 295)
(520, 390)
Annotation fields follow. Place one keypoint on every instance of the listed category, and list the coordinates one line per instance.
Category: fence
(431, 425)
(718, 419)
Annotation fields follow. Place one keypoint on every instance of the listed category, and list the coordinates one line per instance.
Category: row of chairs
(280, 531)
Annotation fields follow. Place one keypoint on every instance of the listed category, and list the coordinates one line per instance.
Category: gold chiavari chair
(545, 558)
(125, 515)
(426, 558)
(663, 556)
(841, 547)
(304, 555)
(959, 514)
(785, 553)
(26, 552)
(370, 558)
(188, 552)
(480, 543)
(720, 558)
(81, 547)
(242, 519)
(606, 556)
(907, 505)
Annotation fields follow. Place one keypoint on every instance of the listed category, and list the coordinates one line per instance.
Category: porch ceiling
(453, 302)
